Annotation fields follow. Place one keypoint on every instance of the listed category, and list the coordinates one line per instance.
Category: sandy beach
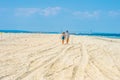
(42, 57)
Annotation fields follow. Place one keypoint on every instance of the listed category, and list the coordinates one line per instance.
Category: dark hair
(66, 30)
(63, 32)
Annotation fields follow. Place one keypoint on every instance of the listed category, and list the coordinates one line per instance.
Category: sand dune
(43, 57)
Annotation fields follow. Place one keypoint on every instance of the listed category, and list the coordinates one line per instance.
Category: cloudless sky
(61, 15)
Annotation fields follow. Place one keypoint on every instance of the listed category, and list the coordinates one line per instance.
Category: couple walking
(65, 35)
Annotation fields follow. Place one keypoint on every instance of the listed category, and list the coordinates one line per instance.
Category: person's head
(67, 31)
(63, 32)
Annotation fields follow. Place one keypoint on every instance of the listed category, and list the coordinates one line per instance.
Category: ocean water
(108, 35)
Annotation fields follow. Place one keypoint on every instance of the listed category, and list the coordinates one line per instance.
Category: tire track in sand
(34, 48)
(48, 62)
(79, 68)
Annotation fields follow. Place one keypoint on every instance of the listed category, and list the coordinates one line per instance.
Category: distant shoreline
(108, 35)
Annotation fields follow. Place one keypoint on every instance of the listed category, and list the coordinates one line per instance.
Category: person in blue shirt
(63, 37)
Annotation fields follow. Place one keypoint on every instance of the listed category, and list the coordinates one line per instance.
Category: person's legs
(67, 41)
(62, 41)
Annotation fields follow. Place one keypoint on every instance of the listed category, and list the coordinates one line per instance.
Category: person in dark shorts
(63, 37)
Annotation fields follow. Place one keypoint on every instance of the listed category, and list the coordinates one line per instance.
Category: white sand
(43, 57)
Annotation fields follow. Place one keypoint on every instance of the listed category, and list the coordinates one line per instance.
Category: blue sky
(61, 15)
